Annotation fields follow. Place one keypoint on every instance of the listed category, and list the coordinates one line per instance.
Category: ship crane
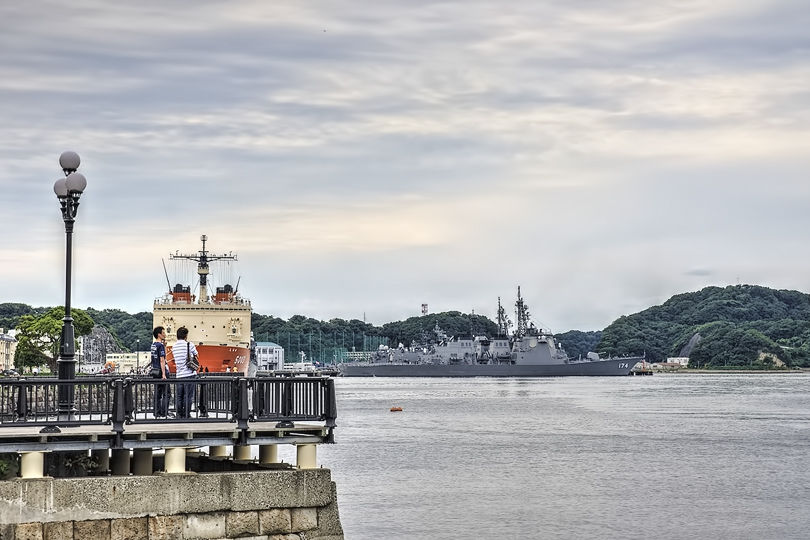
(202, 258)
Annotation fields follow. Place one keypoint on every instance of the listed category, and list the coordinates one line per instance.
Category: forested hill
(734, 326)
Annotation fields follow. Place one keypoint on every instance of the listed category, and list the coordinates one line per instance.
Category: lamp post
(138, 357)
(68, 190)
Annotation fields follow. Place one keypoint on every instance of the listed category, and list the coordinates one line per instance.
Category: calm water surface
(668, 456)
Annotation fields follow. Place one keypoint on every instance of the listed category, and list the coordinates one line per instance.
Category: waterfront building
(8, 344)
(126, 362)
(269, 355)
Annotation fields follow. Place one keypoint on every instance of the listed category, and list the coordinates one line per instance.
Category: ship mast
(503, 320)
(202, 258)
(522, 312)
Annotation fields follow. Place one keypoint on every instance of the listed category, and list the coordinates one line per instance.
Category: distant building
(680, 360)
(269, 355)
(8, 344)
(124, 362)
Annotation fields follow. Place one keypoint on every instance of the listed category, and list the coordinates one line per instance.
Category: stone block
(329, 518)
(91, 498)
(129, 529)
(303, 519)
(239, 524)
(58, 530)
(276, 521)
(29, 531)
(166, 527)
(96, 529)
(284, 537)
(204, 525)
(8, 531)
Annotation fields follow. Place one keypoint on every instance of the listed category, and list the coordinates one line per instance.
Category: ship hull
(602, 368)
(217, 358)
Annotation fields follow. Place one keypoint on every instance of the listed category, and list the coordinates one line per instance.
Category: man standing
(160, 371)
(185, 391)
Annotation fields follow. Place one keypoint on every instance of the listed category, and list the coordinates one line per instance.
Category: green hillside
(732, 327)
(735, 326)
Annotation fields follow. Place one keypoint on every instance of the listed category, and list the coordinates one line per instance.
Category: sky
(363, 158)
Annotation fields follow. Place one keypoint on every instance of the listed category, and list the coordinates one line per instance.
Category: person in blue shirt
(160, 370)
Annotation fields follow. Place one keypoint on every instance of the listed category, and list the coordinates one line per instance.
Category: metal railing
(126, 401)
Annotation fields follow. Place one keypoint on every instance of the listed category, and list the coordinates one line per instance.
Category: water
(668, 456)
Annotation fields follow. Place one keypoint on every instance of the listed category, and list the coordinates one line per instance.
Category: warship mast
(503, 321)
(522, 313)
(203, 258)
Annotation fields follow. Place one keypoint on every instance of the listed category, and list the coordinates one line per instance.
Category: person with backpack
(185, 356)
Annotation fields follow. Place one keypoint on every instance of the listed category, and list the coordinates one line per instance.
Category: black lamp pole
(68, 190)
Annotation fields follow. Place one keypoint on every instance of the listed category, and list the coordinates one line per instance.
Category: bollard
(241, 452)
(268, 453)
(32, 464)
(175, 461)
(103, 459)
(217, 452)
(305, 456)
(142, 462)
(120, 462)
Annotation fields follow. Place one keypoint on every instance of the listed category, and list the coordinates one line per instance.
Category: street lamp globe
(60, 188)
(69, 161)
(76, 182)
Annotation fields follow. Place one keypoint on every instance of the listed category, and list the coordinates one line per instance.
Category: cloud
(368, 157)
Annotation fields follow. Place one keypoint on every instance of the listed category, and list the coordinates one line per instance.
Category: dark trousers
(162, 393)
(185, 398)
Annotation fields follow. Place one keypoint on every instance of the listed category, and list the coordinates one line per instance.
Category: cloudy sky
(364, 157)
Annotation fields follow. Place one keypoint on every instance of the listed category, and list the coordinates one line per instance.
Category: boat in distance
(218, 324)
(529, 352)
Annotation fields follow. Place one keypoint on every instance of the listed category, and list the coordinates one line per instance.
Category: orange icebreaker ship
(218, 325)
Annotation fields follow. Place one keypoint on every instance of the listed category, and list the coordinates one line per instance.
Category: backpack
(192, 362)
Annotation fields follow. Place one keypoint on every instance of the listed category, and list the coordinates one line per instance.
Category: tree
(39, 336)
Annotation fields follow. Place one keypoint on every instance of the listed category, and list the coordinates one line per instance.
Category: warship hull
(600, 368)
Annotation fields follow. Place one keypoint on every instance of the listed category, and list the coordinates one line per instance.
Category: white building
(269, 355)
(682, 360)
(8, 344)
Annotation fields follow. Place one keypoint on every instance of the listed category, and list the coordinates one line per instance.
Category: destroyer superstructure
(218, 324)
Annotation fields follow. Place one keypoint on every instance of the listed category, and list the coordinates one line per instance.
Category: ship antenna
(167, 275)
(522, 311)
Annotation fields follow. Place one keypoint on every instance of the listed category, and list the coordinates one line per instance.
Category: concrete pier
(260, 504)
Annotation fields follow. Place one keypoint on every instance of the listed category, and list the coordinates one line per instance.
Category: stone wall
(256, 505)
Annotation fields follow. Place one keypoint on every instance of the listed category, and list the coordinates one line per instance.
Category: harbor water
(663, 457)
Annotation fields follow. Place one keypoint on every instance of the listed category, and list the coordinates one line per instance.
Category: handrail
(119, 401)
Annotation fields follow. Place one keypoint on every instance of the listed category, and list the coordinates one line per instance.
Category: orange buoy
(396, 409)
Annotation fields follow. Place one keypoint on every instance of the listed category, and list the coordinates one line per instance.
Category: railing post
(286, 405)
(330, 409)
(129, 400)
(22, 402)
(118, 412)
(241, 408)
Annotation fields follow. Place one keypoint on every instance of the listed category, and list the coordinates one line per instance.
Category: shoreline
(733, 371)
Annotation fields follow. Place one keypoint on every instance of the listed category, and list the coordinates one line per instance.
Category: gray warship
(528, 352)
